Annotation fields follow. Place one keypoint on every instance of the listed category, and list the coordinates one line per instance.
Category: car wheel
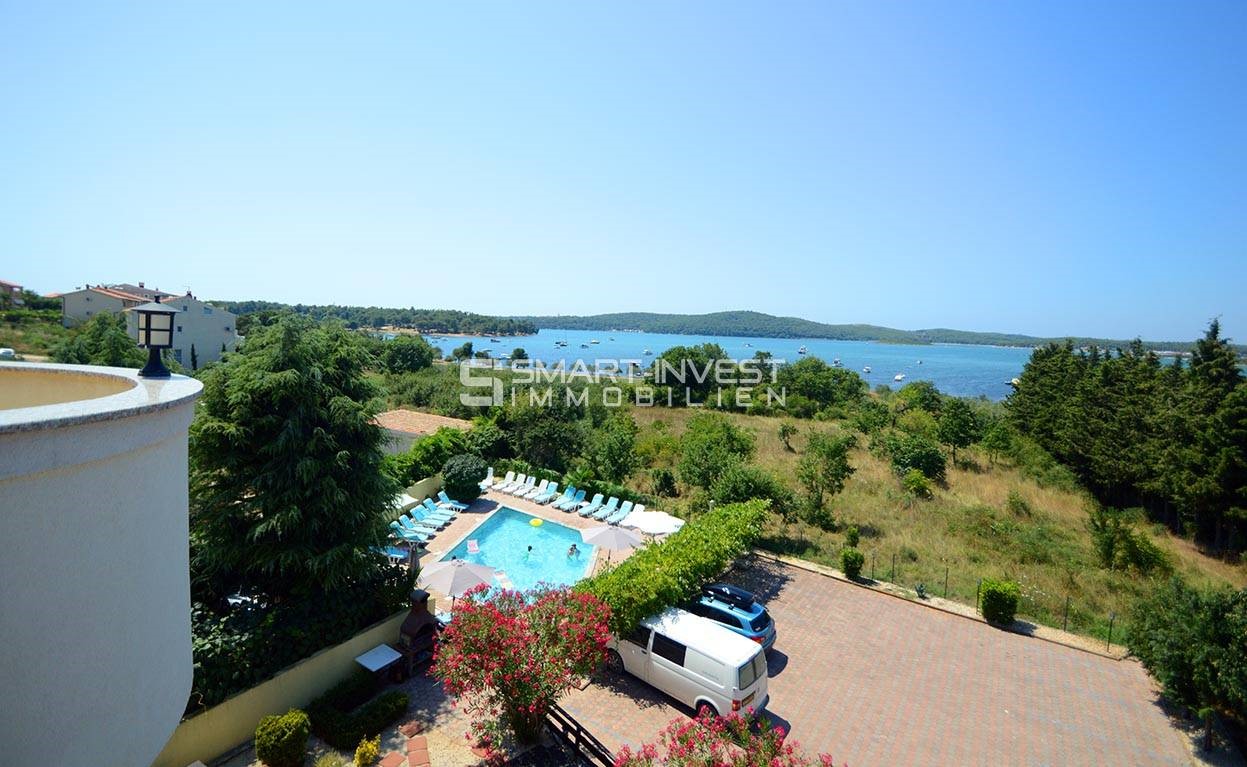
(705, 710)
(614, 663)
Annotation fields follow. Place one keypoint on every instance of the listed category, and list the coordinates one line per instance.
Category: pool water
(504, 539)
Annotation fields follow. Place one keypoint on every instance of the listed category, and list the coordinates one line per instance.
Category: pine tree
(287, 491)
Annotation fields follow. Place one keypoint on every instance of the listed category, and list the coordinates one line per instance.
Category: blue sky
(1049, 168)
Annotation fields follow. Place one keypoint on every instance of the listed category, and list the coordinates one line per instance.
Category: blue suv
(738, 610)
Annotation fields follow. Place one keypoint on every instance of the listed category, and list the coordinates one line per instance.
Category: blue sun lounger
(588, 508)
(571, 503)
(610, 508)
(618, 516)
(446, 501)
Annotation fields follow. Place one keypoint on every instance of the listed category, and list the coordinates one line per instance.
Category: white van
(696, 661)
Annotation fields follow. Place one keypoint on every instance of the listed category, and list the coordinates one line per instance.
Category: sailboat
(866, 369)
(801, 350)
(899, 377)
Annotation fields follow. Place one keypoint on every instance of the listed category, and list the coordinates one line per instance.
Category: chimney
(141, 283)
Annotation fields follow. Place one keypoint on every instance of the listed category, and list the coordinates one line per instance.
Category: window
(752, 671)
(761, 622)
(638, 636)
(706, 611)
(669, 649)
(179, 328)
(227, 328)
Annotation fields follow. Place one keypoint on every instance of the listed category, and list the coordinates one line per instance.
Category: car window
(638, 636)
(669, 649)
(761, 622)
(754, 668)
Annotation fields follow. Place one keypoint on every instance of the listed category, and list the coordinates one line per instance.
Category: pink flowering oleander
(509, 655)
(728, 741)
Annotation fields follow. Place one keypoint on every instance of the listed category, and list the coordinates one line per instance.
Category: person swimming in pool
(528, 553)
(573, 552)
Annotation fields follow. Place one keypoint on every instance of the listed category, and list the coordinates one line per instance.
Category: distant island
(757, 324)
(422, 320)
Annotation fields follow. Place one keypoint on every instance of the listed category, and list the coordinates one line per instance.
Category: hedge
(281, 741)
(999, 601)
(670, 572)
(339, 719)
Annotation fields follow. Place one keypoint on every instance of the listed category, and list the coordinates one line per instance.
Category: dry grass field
(970, 529)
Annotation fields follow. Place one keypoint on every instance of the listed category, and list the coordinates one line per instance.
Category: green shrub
(1017, 505)
(427, 455)
(916, 484)
(743, 482)
(999, 601)
(281, 741)
(915, 451)
(345, 715)
(1120, 546)
(851, 561)
(462, 477)
(663, 482)
(331, 759)
(368, 751)
(852, 536)
(667, 573)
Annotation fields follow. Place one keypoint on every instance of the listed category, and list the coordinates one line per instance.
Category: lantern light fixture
(155, 333)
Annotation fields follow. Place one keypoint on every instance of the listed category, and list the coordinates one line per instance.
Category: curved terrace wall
(95, 650)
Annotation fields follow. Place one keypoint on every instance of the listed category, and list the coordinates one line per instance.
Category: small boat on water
(584, 346)
(801, 350)
(494, 341)
(836, 362)
(749, 346)
(647, 353)
(866, 369)
(919, 362)
(899, 377)
(595, 341)
(611, 339)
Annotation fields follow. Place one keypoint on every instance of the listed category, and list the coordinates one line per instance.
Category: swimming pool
(504, 539)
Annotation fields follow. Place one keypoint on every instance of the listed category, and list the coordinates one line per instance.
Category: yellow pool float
(536, 522)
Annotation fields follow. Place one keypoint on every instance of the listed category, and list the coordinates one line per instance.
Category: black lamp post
(155, 325)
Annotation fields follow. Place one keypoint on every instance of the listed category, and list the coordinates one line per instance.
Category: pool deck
(467, 521)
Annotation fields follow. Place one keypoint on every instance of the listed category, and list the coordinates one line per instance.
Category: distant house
(78, 306)
(11, 292)
(404, 427)
(205, 328)
(197, 325)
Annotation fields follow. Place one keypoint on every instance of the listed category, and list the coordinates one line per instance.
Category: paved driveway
(878, 681)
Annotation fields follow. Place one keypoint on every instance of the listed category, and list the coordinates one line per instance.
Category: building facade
(207, 330)
(79, 306)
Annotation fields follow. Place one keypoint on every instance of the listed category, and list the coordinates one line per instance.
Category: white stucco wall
(95, 654)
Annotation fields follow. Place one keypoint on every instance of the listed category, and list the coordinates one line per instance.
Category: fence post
(873, 556)
(946, 581)
(1065, 623)
(978, 590)
(1111, 618)
(893, 578)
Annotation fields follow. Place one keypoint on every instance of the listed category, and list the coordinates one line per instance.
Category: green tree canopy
(613, 446)
(958, 425)
(824, 467)
(407, 354)
(101, 340)
(287, 491)
(711, 443)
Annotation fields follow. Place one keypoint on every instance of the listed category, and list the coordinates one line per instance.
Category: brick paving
(877, 680)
